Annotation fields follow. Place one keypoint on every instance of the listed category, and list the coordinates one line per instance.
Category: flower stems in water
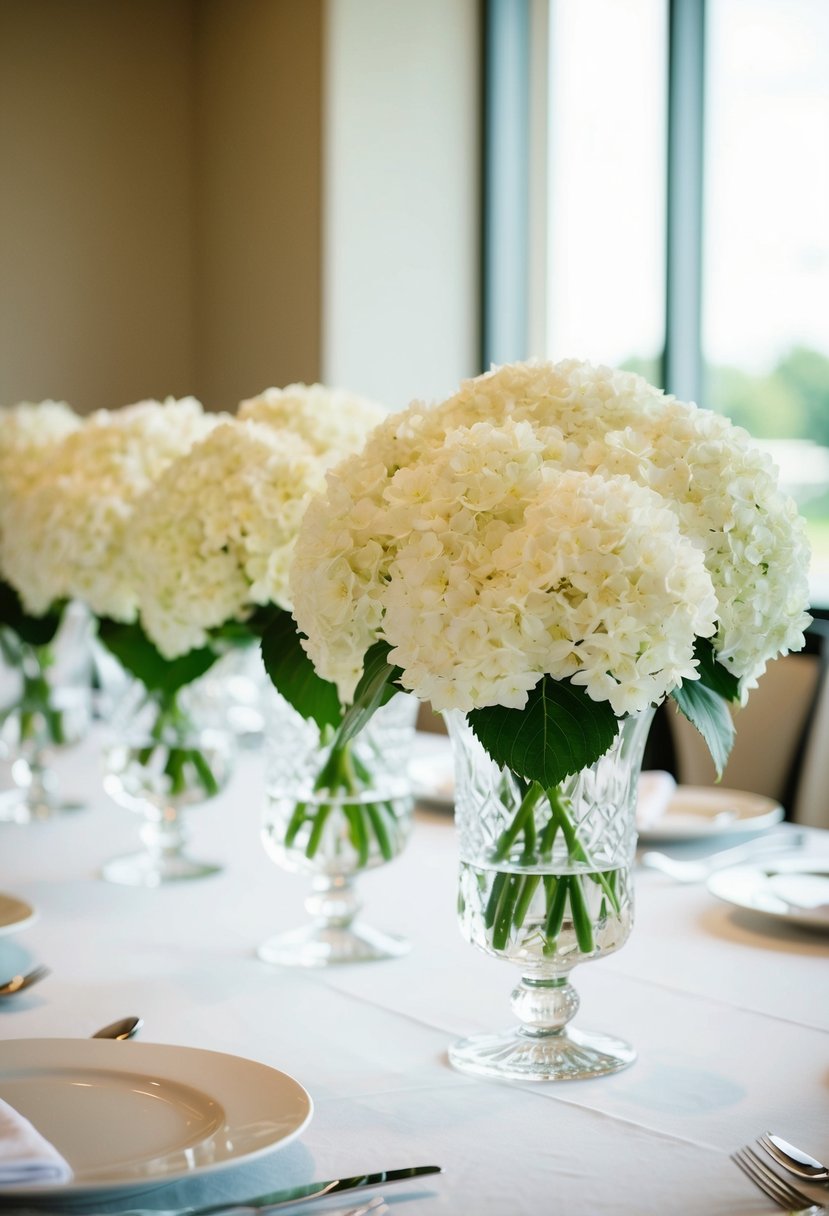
(345, 780)
(36, 714)
(185, 767)
(512, 892)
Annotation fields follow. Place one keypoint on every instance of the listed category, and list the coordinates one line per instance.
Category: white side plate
(135, 1115)
(697, 811)
(14, 914)
(789, 889)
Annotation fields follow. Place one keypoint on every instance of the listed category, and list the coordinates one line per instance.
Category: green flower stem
(374, 812)
(581, 917)
(34, 709)
(184, 767)
(557, 904)
(295, 823)
(512, 892)
(529, 882)
(524, 817)
(344, 773)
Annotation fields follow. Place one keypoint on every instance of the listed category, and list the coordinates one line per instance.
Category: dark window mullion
(683, 298)
(506, 173)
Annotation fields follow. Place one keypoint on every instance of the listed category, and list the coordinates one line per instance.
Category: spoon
(124, 1028)
(18, 982)
(699, 869)
(794, 1159)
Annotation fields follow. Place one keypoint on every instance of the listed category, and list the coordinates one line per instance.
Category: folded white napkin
(656, 789)
(25, 1156)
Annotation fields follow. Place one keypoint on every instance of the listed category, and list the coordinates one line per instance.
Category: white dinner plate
(129, 1115)
(14, 914)
(697, 811)
(790, 889)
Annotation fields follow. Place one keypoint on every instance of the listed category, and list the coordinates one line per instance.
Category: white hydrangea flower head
(332, 421)
(28, 433)
(64, 536)
(388, 549)
(215, 534)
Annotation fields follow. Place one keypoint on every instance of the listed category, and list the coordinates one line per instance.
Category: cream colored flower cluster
(64, 531)
(715, 547)
(215, 536)
(28, 433)
(331, 421)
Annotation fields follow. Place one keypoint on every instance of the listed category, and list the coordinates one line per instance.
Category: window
(765, 297)
(676, 186)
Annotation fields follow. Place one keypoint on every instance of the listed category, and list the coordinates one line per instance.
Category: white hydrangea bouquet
(550, 550)
(28, 434)
(64, 535)
(211, 542)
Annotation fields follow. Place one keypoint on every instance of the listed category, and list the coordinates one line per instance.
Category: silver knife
(281, 1199)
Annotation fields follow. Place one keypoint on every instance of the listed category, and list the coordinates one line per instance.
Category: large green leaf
(558, 732)
(137, 654)
(708, 712)
(712, 673)
(293, 676)
(35, 630)
(376, 686)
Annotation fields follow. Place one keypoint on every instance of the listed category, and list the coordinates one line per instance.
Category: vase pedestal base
(564, 1055)
(18, 806)
(144, 870)
(326, 945)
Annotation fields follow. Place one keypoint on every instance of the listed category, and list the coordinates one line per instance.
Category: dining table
(727, 1008)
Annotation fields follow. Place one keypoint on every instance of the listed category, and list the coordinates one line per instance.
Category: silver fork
(784, 1195)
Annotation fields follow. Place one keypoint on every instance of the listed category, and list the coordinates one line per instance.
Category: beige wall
(159, 198)
(257, 301)
(95, 200)
(174, 219)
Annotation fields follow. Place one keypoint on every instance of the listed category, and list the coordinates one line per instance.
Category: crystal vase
(167, 754)
(332, 813)
(45, 708)
(545, 883)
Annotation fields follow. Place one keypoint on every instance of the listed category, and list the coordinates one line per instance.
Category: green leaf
(558, 732)
(708, 712)
(34, 630)
(293, 676)
(377, 685)
(137, 654)
(242, 633)
(713, 674)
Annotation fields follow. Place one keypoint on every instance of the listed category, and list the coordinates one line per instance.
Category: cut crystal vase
(545, 883)
(45, 708)
(167, 754)
(332, 813)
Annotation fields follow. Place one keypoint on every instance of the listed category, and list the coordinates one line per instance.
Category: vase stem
(333, 902)
(544, 1006)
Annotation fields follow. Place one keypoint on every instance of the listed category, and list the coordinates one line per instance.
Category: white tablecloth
(728, 1011)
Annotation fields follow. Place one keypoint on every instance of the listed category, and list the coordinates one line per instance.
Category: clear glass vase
(167, 754)
(331, 814)
(45, 708)
(545, 883)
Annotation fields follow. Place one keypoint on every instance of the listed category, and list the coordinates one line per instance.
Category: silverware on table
(375, 1207)
(124, 1028)
(776, 1188)
(294, 1195)
(18, 983)
(698, 869)
(794, 1159)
